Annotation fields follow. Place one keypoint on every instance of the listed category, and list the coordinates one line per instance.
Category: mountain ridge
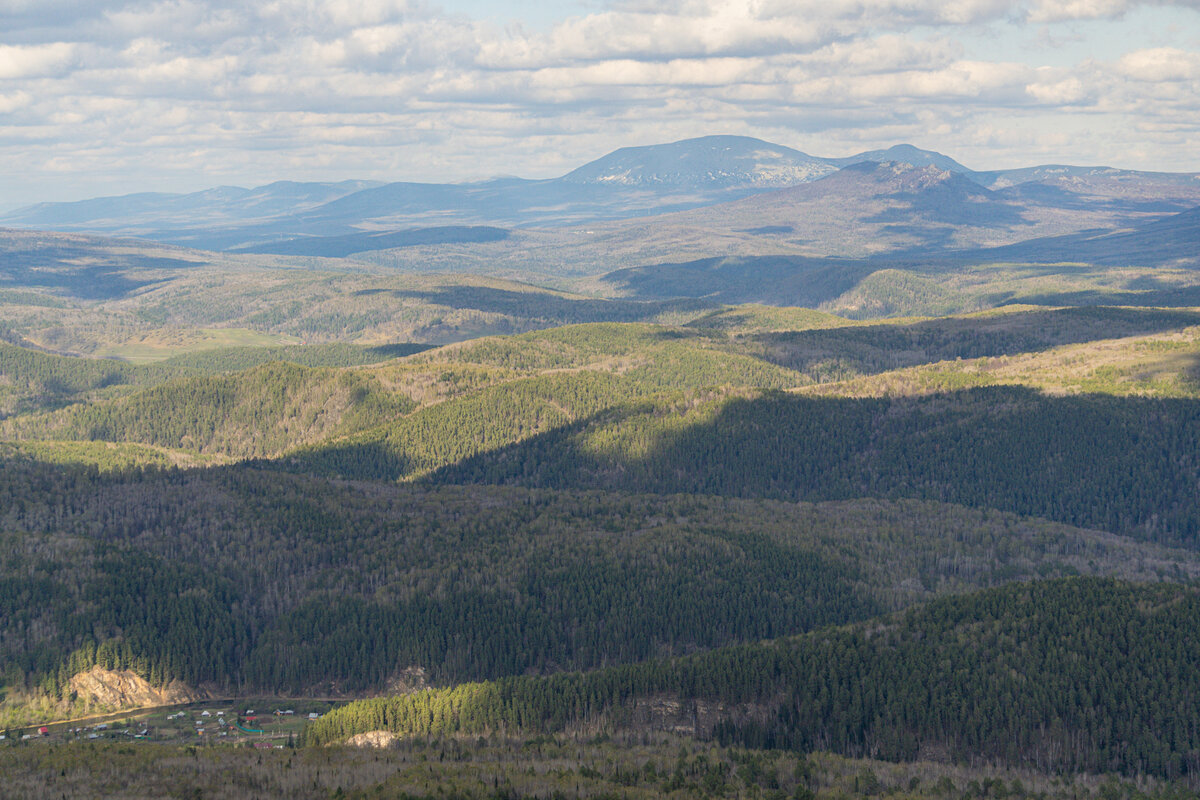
(630, 182)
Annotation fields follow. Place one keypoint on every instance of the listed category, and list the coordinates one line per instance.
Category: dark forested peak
(902, 174)
(887, 178)
(706, 161)
(907, 154)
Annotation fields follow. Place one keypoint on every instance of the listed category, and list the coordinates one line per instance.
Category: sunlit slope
(32, 380)
(232, 359)
(1157, 365)
(1087, 416)
(255, 412)
(652, 356)
(1105, 452)
(809, 346)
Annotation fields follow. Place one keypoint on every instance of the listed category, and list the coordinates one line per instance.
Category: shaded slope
(1123, 464)
(88, 267)
(867, 349)
(342, 246)
(1172, 240)
(773, 280)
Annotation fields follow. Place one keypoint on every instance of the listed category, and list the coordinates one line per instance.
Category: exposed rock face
(377, 739)
(125, 689)
(408, 680)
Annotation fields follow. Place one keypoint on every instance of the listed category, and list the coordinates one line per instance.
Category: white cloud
(28, 61)
(1068, 91)
(1160, 64)
(13, 101)
(1059, 10)
(397, 89)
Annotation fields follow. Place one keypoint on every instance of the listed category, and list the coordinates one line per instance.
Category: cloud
(14, 101)
(1067, 91)
(1160, 64)
(1059, 10)
(234, 92)
(29, 61)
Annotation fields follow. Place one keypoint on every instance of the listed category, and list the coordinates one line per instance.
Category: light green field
(158, 346)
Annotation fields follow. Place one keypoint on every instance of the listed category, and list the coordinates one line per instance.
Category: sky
(102, 98)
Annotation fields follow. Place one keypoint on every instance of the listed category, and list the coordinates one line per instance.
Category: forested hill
(252, 581)
(578, 497)
(1124, 464)
(33, 380)
(1078, 674)
(260, 411)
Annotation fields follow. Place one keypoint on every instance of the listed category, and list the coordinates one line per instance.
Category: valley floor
(629, 767)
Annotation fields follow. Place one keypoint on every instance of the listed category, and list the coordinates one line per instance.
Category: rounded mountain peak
(704, 163)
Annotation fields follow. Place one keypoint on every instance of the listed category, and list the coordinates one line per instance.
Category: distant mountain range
(902, 201)
(896, 210)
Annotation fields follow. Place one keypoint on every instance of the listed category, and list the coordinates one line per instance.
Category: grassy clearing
(161, 345)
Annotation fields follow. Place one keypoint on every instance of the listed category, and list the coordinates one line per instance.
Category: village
(260, 725)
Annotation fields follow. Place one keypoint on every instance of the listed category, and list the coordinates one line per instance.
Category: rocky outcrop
(125, 689)
(408, 680)
(376, 739)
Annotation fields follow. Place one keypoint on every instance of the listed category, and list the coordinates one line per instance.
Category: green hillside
(31, 380)
(866, 349)
(259, 581)
(1002, 410)
(338, 518)
(232, 359)
(256, 412)
(1078, 674)
(1124, 464)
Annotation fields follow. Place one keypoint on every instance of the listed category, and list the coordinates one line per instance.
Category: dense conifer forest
(1076, 674)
